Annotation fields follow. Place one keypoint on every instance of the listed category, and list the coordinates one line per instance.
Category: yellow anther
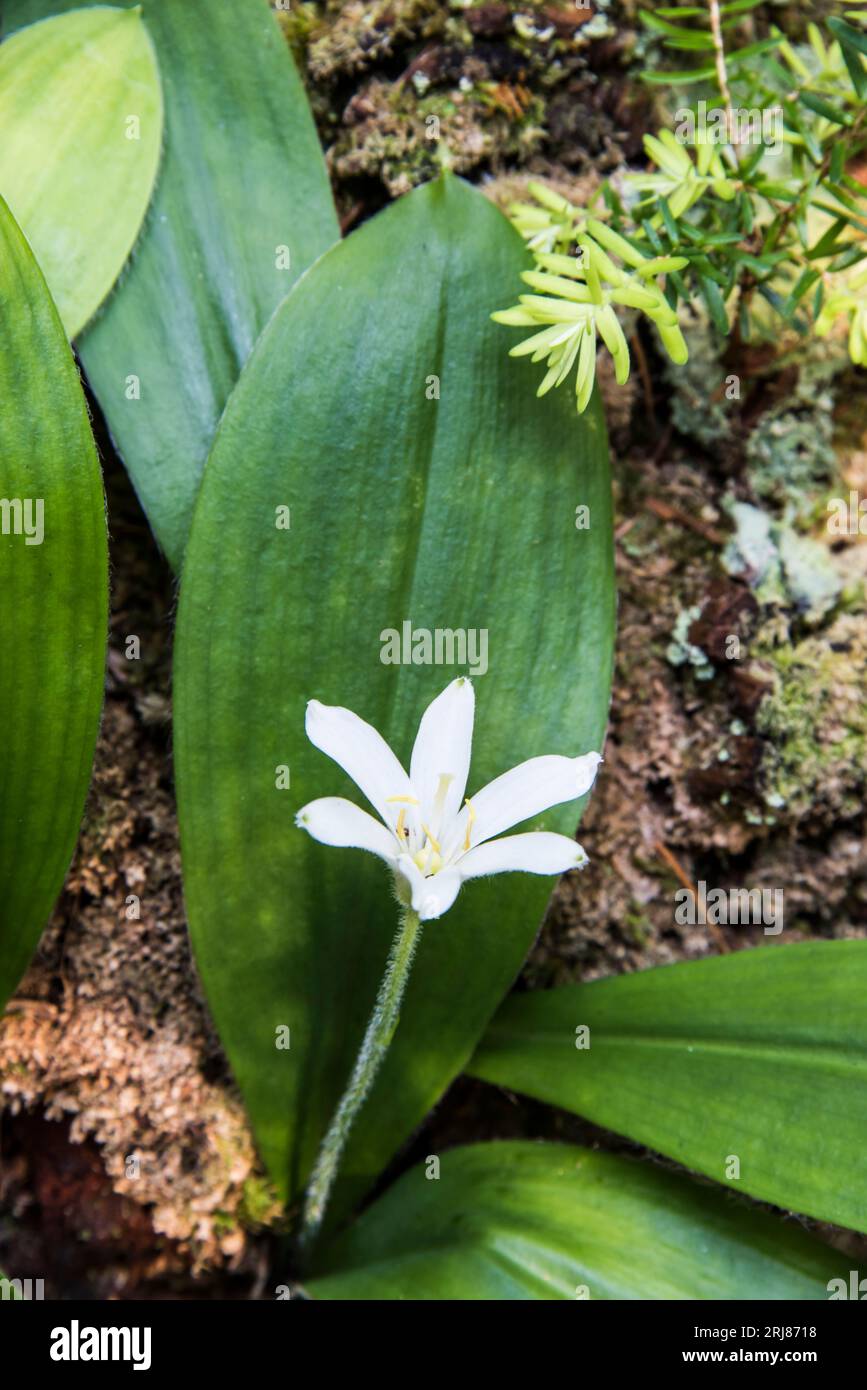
(410, 800)
(471, 816)
(431, 839)
(400, 820)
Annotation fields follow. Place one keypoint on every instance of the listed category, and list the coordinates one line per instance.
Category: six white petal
(423, 834)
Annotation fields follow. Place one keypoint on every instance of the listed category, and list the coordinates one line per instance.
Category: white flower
(431, 836)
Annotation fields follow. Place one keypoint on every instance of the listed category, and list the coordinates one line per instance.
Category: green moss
(406, 134)
(815, 721)
(637, 926)
(258, 1203)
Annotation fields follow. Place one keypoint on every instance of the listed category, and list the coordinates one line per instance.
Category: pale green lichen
(699, 408)
(682, 652)
(785, 569)
(790, 456)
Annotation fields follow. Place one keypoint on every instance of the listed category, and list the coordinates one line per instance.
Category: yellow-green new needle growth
(574, 304)
(851, 301)
(680, 181)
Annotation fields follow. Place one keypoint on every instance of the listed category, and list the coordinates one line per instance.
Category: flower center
(422, 841)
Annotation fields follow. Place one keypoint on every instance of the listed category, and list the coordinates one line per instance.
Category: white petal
(536, 852)
(433, 896)
(365, 755)
(332, 820)
(442, 746)
(526, 791)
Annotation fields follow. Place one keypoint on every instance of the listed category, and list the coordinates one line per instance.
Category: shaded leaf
(513, 1221)
(242, 176)
(761, 1054)
(81, 115)
(53, 578)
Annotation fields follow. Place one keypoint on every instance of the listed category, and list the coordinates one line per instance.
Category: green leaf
(53, 617)
(81, 115)
(851, 255)
(838, 157)
(740, 6)
(242, 176)
(515, 1221)
(805, 283)
(678, 79)
(854, 205)
(822, 108)
(675, 35)
(752, 50)
(848, 36)
(852, 45)
(825, 245)
(715, 303)
(458, 513)
(669, 222)
(761, 1054)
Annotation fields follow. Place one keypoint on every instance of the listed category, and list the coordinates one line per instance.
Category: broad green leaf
(427, 485)
(81, 115)
(53, 613)
(760, 1055)
(510, 1221)
(241, 209)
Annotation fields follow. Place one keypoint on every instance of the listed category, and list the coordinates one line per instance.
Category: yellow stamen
(400, 820)
(431, 838)
(471, 816)
(410, 800)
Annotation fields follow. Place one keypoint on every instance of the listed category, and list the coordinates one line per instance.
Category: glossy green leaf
(426, 484)
(53, 614)
(242, 207)
(510, 1221)
(81, 115)
(760, 1055)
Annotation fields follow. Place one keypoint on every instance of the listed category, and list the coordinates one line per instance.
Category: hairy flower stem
(378, 1035)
